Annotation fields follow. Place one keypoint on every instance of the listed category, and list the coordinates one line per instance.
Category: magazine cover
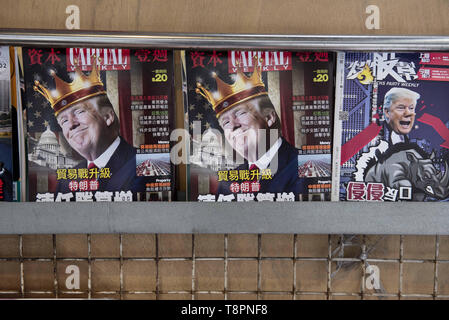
(392, 128)
(259, 124)
(19, 118)
(99, 123)
(6, 128)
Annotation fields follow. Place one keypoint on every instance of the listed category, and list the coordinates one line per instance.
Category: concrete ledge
(192, 217)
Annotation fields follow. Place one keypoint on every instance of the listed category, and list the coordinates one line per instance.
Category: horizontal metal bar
(220, 41)
(237, 217)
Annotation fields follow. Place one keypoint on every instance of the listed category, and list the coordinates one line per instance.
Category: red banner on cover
(351, 147)
(269, 60)
(434, 74)
(107, 59)
(435, 58)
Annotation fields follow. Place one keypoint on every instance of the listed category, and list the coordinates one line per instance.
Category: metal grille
(340, 273)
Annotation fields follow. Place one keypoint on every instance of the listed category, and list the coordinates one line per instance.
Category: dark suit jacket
(122, 166)
(286, 178)
(387, 131)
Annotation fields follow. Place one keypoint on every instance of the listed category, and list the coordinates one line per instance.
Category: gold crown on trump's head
(229, 95)
(66, 94)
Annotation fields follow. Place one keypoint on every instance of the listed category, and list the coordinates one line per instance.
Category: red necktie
(93, 166)
(254, 167)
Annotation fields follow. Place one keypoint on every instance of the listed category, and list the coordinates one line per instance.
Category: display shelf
(221, 41)
(192, 217)
(236, 217)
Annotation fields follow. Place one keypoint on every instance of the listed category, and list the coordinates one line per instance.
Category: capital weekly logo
(268, 60)
(107, 59)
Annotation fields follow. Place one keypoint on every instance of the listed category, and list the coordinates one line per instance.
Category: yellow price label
(160, 77)
(321, 77)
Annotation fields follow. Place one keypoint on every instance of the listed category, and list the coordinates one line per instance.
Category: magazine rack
(192, 217)
(221, 41)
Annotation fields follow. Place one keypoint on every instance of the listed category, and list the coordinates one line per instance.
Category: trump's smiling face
(83, 126)
(242, 128)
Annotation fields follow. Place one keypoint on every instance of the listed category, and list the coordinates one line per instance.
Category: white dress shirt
(397, 138)
(103, 159)
(263, 162)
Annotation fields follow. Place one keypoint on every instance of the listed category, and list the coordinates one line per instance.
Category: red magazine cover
(98, 124)
(260, 125)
